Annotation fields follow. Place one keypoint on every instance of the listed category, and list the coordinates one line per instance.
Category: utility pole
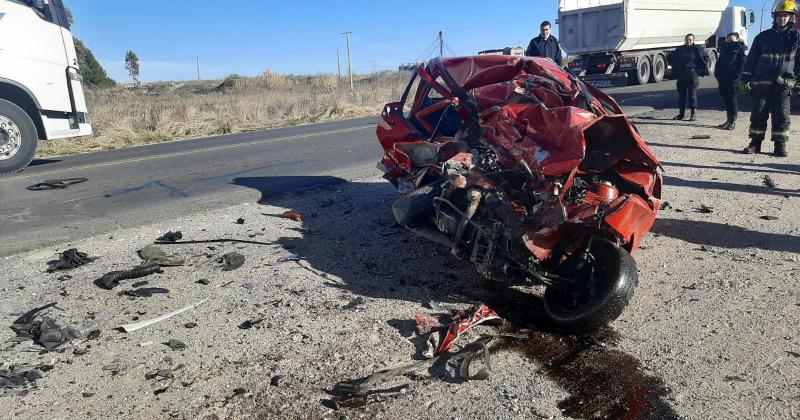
(349, 60)
(198, 67)
(338, 65)
(441, 44)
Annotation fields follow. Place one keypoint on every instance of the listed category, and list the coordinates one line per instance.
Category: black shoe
(752, 148)
(692, 116)
(780, 150)
(679, 117)
(731, 125)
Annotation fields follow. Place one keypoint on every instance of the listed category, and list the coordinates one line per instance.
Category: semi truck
(41, 90)
(620, 42)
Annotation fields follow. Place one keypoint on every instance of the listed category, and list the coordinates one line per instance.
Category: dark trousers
(687, 89)
(772, 101)
(729, 90)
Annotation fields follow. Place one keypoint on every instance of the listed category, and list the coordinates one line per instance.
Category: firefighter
(689, 61)
(770, 73)
(545, 45)
(728, 71)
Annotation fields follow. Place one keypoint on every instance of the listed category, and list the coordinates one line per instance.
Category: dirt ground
(712, 331)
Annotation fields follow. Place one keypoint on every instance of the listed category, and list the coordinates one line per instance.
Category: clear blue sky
(298, 37)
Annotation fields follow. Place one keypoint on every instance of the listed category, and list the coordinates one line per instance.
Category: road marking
(188, 152)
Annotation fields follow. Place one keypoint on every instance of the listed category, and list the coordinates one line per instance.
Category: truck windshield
(53, 11)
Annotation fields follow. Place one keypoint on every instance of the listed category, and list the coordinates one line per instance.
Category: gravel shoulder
(712, 331)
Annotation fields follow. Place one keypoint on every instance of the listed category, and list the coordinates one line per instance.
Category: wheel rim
(10, 138)
(589, 282)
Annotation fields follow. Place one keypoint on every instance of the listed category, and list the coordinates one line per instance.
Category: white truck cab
(41, 92)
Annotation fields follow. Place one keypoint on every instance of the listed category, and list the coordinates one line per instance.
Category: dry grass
(163, 112)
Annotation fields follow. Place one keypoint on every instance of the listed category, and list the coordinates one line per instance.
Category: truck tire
(642, 74)
(18, 138)
(606, 285)
(659, 69)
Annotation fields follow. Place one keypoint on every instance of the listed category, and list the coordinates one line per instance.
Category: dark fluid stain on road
(603, 383)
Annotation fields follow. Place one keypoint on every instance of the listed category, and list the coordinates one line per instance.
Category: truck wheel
(18, 138)
(642, 74)
(605, 281)
(659, 69)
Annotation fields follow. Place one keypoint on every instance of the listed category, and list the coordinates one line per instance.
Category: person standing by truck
(728, 71)
(689, 61)
(545, 45)
(771, 70)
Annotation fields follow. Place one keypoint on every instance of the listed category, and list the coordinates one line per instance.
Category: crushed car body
(529, 174)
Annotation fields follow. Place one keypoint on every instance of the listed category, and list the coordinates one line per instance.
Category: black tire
(413, 208)
(615, 281)
(659, 69)
(14, 120)
(642, 74)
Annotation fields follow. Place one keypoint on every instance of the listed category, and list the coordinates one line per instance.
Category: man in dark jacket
(545, 45)
(728, 72)
(772, 70)
(688, 62)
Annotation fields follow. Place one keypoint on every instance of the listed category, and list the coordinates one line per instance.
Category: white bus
(41, 92)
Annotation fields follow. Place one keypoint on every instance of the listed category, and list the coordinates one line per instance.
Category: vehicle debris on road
(69, 259)
(152, 253)
(56, 184)
(170, 237)
(139, 325)
(112, 279)
(45, 331)
(17, 379)
(297, 217)
(231, 261)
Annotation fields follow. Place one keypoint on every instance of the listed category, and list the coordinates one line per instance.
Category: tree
(132, 65)
(92, 71)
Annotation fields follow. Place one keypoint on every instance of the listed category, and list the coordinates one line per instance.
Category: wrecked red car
(528, 173)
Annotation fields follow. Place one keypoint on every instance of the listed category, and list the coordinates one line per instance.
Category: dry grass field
(159, 112)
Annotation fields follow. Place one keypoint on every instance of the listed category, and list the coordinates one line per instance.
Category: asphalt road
(136, 186)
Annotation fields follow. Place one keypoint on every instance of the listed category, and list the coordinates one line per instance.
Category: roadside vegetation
(124, 116)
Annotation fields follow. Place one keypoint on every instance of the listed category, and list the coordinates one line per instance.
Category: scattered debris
(145, 291)
(160, 374)
(44, 332)
(768, 218)
(112, 279)
(145, 344)
(156, 255)
(170, 237)
(175, 345)
(64, 277)
(190, 324)
(56, 184)
(293, 257)
(792, 353)
(276, 380)
(665, 205)
(769, 182)
(16, 380)
(204, 282)
(93, 335)
(231, 261)
(115, 367)
(701, 137)
(239, 391)
(240, 221)
(71, 258)
(248, 286)
(427, 323)
(250, 324)
(704, 209)
(139, 325)
(297, 217)
(139, 284)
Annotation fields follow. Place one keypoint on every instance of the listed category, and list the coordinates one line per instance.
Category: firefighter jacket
(772, 59)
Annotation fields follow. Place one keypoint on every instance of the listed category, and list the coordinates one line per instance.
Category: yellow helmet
(785, 6)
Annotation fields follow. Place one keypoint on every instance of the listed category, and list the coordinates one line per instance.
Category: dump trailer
(620, 42)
